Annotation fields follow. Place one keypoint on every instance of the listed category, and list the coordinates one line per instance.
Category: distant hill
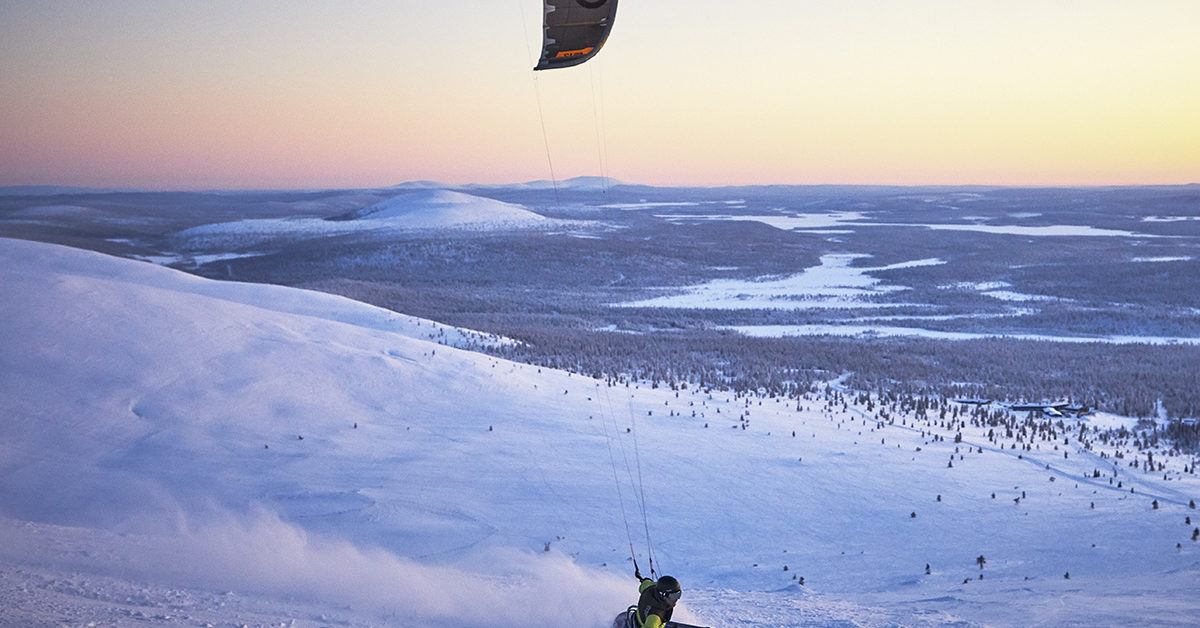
(427, 209)
(577, 183)
(422, 210)
(55, 190)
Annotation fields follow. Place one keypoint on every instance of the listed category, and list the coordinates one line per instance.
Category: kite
(574, 30)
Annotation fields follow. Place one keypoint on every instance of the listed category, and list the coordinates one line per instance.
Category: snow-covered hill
(420, 210)
(184, 452)
(433, 209)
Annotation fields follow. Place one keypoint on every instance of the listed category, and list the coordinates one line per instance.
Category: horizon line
(52, 189)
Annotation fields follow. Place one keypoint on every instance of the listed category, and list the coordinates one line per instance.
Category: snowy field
(183, 452)
(836, 284)
(832, 284)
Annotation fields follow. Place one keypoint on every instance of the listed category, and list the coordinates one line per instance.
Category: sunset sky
(189, 94)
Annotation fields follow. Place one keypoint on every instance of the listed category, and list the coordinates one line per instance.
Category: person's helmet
(668, 589)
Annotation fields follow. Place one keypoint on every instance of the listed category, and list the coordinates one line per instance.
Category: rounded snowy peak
(445, 208)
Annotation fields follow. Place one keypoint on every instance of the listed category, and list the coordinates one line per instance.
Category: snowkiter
(656, 603)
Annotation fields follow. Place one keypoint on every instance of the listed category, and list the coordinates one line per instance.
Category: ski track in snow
(183, 452)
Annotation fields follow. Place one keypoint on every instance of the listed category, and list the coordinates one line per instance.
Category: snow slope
(184, 452)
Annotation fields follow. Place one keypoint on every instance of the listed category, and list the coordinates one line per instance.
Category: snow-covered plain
(832, 284)
(827, 221)
(879, 331)
(836, 283)
(183, 452)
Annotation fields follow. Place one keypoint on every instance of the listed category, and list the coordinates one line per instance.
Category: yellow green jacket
(651, 612)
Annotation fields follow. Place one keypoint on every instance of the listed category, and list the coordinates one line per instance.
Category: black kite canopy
(574, 31)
